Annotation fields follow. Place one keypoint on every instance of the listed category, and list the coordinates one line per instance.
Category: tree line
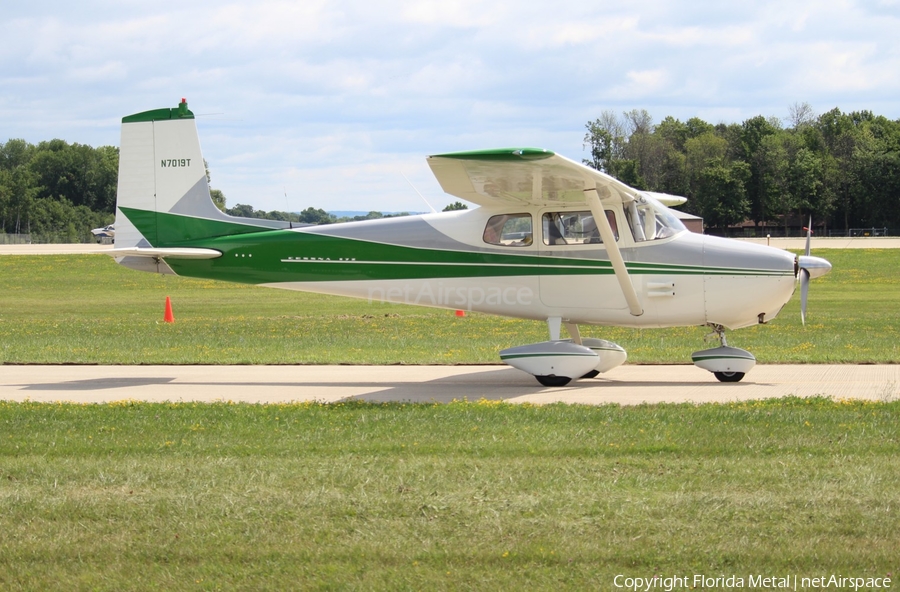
(307, 216)
(841, 168)
(56, 191)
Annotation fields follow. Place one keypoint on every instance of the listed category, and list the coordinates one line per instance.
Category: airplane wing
(666, 199)
(536, 177)
(525, 176)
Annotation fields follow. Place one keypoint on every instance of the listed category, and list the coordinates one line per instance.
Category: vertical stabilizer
(162, 183)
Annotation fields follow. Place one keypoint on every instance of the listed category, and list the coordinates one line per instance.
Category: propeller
(809, 267)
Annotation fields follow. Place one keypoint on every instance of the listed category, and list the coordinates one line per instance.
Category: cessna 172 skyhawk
(552, 240)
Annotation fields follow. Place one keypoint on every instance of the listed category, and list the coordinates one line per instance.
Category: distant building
(692, 222)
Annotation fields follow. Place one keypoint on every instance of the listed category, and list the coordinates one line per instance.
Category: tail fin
(163, 195)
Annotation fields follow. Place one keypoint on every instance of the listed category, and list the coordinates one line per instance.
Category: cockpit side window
(650, 220)
(574, 228)
(509, 230)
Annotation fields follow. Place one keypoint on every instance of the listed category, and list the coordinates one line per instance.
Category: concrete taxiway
(627, 385)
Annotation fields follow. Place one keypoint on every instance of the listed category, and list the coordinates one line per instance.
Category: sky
(335, 104)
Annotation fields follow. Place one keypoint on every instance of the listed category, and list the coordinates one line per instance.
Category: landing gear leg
(718, 332)
(728, 364)
(572, 328)
(610, 355)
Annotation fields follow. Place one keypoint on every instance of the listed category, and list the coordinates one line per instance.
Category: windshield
(650, 220)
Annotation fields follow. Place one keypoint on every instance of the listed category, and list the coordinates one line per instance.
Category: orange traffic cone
(169, 317)
(460, 313)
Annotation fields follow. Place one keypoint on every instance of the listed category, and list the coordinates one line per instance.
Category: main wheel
(591, 374)
(553, 380)
(729, 376)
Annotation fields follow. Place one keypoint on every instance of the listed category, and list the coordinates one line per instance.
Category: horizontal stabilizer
(171, 253)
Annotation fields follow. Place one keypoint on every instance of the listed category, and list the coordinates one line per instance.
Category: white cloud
(640, 85)
(455, 13)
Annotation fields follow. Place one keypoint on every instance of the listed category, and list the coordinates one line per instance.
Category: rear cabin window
(509, 230)
(575, 228)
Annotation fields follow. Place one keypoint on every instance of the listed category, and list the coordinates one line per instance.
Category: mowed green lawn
(460, 496)
(87, 309)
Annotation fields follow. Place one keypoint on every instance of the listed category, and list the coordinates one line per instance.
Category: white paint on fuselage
(669, 298)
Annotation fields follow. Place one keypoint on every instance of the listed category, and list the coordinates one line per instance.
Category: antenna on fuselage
(288, 208)
(433, 211)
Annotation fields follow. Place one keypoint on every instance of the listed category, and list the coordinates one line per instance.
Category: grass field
(465, 496)
(87, 309)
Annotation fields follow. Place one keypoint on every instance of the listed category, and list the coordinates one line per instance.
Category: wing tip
(499, 154)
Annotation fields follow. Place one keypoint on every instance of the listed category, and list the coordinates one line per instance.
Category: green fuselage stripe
(276, 256)
(546, 355)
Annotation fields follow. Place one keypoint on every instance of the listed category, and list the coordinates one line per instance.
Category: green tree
(457, 205)
(721, 194)
(840, 166)
(674, 132)
(23, 189)
(79, 173)
(642, 148)
(58, 220)
(842, 138)
(759, 154)
(701, 150)
(804, 183)
(672, 177)
(106, 177)
(605, 139)
(697, 127)
(316, 216)
(17, 185)
(218, 198)
(241, 210)
(876, 188)
(14, 153)
(5, 198)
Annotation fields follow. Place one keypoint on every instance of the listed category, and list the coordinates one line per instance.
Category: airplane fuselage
(442, 260)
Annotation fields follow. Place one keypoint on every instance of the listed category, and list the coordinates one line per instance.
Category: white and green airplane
(552, 240)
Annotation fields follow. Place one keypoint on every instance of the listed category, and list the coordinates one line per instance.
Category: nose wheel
(728, 364)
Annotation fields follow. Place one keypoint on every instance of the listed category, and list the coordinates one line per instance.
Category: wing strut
(612, 249)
